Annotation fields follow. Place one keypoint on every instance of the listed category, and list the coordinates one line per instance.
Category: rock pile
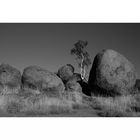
(111, 74)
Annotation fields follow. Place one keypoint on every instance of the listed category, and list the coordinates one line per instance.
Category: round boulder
(66, 72)
(42, 81)
(10, 79)
(111, 74)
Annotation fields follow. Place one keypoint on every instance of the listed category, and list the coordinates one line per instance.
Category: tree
(82, 57)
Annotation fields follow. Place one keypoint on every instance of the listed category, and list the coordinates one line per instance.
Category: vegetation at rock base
(37, 105)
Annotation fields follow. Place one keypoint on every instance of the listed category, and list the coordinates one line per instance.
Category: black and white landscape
(69, 70)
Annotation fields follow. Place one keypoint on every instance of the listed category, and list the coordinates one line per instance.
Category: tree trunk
(84, 72)
(82, 69)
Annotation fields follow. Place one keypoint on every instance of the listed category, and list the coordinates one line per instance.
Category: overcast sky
(48, 45)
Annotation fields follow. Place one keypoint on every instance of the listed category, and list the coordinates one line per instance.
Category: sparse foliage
(82, 57)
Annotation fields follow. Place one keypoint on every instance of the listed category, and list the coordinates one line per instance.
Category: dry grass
(29, 104)
(32, 105)
(121, 106)
(44, 106)
(10, 104)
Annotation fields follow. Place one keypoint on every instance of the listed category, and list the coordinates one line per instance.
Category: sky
(48, 44)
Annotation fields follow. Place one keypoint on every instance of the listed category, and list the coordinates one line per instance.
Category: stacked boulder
(73, 82)
(10, 79)
(112, 74)
(66, 72)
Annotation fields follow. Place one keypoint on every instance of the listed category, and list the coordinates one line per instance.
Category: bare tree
(82, 57)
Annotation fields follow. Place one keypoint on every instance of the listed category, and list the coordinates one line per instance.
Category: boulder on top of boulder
(10, 79)
(111, 74)
(42, 81)
(66, 72)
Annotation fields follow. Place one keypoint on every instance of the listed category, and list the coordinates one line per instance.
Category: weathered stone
(73, 86)
(42, 81)
(10, 79)
(111, 74)
(66, 72)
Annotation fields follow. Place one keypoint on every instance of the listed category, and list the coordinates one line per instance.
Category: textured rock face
(111, 74)
(66, 72)
(42, 81)
(10, 79)
(73, 86)
(74, 91)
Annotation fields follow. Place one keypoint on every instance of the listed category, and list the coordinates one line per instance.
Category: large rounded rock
(65, 72)
(42, 81)
(10, 79)
(111, 74)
